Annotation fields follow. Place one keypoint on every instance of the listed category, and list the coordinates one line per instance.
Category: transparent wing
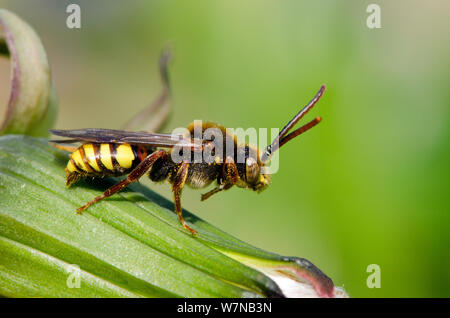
(99, 135)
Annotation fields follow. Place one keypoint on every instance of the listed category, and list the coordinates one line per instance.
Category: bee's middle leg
(177, 187)
(133, 176)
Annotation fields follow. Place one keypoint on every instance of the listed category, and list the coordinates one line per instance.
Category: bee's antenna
(300, 130)
(283, 137)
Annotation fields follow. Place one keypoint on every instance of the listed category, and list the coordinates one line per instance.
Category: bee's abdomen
(103, 160)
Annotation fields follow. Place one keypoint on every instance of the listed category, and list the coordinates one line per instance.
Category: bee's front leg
(230, 173)
(230, 177)
(213, 191)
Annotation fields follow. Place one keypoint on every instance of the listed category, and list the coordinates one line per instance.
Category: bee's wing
(98, 135)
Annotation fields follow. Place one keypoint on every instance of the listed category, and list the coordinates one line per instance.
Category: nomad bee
(106, 152)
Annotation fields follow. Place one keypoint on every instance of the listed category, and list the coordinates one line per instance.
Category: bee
(106, 152)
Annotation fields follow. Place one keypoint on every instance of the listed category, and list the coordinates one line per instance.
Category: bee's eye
(251, 170)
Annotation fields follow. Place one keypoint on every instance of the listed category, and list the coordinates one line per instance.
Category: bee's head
(251, 169)
(254, 176)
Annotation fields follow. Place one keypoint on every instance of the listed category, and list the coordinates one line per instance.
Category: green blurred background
(369, 185)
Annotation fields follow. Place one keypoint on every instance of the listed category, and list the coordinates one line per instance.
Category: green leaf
(32, 105)
(23, 262)
(128, 245)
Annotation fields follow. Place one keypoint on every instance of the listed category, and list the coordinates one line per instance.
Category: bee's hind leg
(64, 147)
(133, 176)
(72, 177)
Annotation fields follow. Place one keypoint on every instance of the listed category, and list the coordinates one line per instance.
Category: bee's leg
(177, 187)
(230, 176)
(213, 191)
(153, 117)
(230, 173)
(65, 148)
(133, 176)
(72, 177)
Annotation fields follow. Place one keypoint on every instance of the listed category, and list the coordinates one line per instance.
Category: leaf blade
(20, 264)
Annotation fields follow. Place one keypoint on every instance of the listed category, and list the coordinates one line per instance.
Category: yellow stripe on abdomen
(78, 160)
(90, 156)
(125, 156)
(105, 156)
(71, 167)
